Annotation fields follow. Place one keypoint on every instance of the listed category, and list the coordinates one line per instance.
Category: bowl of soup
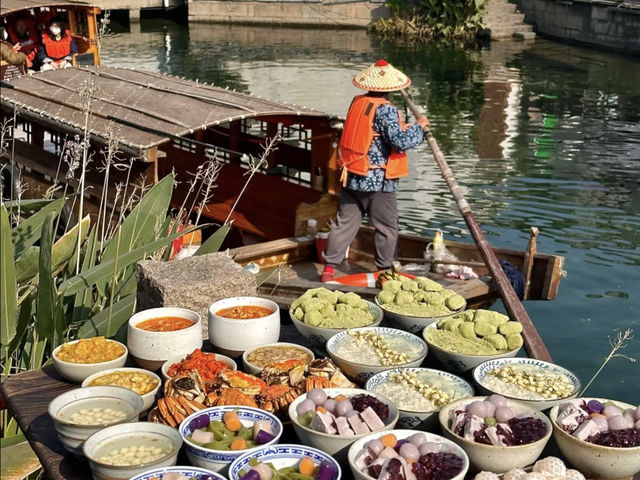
(238, 324)
(158, 334)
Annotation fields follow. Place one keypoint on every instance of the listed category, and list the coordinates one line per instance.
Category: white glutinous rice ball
(550, 467)
(486, 476)
(515, 474)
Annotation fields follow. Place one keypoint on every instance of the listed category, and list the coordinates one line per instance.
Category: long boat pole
(533, 343)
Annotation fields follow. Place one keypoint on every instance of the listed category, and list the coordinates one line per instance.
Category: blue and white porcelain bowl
(481, 375)
(318, 336)
(412, 417)
(361, 372)
(192, 472)
(281, 456)
(219, 460)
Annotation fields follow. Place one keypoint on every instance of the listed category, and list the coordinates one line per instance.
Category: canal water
(538, 134)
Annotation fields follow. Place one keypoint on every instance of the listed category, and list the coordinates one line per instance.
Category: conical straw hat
(381, 77)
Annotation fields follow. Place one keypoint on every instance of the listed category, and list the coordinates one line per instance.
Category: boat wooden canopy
(146, 109)
(11, 6)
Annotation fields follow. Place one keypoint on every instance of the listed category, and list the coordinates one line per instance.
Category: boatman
(373, 159)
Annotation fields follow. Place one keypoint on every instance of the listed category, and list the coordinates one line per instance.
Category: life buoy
(364, 279)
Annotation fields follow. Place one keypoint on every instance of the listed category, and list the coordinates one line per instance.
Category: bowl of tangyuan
(536, 383)
(319, 313)
(466, 340)
(412, 304)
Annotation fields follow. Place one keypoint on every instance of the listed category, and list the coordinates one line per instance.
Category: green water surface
(538, 134)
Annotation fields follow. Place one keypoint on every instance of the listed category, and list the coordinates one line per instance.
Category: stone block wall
(588, 22)
(355, 14)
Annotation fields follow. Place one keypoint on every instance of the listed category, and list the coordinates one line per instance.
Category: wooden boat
(80, 17)
(194, 121)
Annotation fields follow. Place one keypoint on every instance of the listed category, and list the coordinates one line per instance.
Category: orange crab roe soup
(244, 312)
(164, 324)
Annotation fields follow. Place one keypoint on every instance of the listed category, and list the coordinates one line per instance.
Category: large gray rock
(193, 283)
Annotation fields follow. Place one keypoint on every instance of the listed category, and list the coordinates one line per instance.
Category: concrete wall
(135, 4)
(588, 22)
(289, 12)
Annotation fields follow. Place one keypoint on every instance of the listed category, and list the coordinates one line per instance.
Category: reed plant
(431, 19)
(63, 280)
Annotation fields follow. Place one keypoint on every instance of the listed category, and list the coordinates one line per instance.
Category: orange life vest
(57, 50)
(28, 46)
(357, 136)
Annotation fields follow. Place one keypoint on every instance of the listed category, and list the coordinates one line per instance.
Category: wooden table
(28, 395)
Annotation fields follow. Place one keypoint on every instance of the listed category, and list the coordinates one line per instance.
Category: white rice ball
(486, 476)
(550, 467)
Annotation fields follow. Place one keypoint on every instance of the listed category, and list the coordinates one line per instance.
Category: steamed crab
(280, 383)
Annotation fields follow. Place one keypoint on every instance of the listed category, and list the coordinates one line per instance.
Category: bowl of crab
(284, 462)
(216, 436)
(405, 455)
(497, 434)
(331, 419)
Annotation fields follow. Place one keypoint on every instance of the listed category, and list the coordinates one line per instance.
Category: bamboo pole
(532, 341)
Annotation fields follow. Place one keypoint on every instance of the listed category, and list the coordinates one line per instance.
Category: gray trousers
(382, 210)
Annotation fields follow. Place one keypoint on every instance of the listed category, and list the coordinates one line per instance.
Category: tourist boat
(79, 16)
(195, 121)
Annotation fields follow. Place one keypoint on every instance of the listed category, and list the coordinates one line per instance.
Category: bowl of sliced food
(598, 436)
(496, 433)
(380, 455)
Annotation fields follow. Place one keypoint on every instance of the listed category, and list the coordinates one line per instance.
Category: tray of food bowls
(413, 386)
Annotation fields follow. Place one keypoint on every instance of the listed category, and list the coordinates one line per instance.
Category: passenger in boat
(373, 159)
(10, 54)
(24, 38)
(58, 47)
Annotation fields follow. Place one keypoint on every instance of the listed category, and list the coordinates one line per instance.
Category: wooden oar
(533, 343)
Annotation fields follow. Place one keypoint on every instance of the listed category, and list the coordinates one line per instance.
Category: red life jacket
(57, 50)
(29, 46)
(357, 136)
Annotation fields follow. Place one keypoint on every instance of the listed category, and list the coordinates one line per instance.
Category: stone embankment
(610, 24)
(502, 21)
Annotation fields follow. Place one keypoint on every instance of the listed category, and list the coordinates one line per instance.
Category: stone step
(504, 19)
(507, 32)
(524, 35)
(499, 8)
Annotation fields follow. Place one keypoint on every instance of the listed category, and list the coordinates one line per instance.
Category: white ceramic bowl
(77, 372)
(451, 447)
(191, 472)
(337, 445)
(219, 460)
(490, 457)
(318, 336)
(596, 461)
(481, 371)
(460, 362)
(130, 434)
(255, 369)
(148, 398)
(413, 419)
(281, 456)
(361, 372)
(72, 435)
(233, 336)
(223, 358)
(151, 349)
(412, 323)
